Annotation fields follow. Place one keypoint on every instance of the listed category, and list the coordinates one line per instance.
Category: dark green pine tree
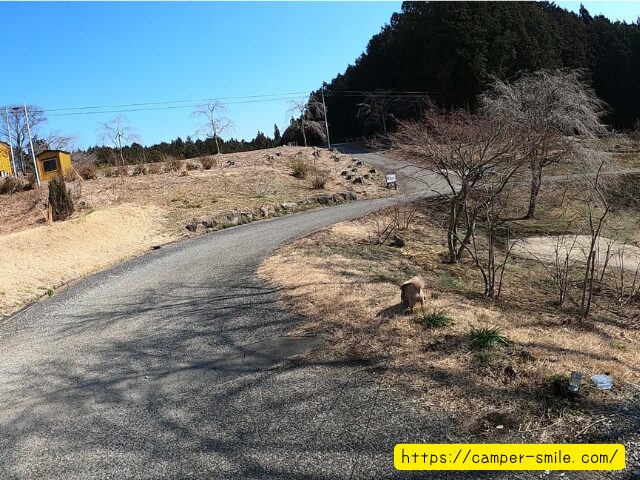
(277, 138)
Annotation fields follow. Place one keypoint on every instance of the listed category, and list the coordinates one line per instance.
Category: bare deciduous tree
(591, 191)
(380, 106)
(215, 124)
(308, 116)
(548, 106)
(118, 133)
(14, 124)
(470, 153)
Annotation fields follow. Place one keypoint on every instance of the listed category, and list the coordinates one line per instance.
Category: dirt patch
(38, 260)
(576, 249)
(347, 288)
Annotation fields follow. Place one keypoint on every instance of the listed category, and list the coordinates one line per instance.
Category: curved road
(165, 367)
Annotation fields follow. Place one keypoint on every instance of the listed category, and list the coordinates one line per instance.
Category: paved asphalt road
(164, 367)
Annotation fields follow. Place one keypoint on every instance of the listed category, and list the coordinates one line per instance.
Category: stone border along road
(163, 367)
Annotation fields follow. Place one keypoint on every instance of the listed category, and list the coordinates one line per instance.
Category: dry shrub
(300, 168)
(70, 176)
(10, 185)
(140, 170)
(208, 163)
(153, 169)
(191, 166)
(320, 180)
(88, 171)
(172, 164)
(60, 199)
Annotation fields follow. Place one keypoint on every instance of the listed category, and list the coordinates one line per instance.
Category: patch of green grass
(449, 282)
(435, 319)
(488, 338)
(50, 292)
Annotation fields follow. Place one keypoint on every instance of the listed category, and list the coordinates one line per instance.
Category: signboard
(391, 180)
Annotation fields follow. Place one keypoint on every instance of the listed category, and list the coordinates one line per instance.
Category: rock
(192, 227)
(246, 216)
(359, 162)
(288, 205)
(373, 170)
(233, 218)
(358, 180)
(349, 177)
(334, 150)
(397, 241)
(324, 199)
(344, 173)
(267, 210)
(208, 222)
(278, 154)
(350, 196)
(230, 163)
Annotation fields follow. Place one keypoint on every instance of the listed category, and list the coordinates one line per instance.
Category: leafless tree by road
(214, 123)
(548, 106)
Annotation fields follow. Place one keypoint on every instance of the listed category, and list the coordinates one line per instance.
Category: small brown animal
(412, 292)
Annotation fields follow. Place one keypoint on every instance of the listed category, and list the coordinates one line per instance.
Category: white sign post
(391, 181)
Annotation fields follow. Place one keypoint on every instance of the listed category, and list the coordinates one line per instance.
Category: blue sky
(77, 54)
(86, 54)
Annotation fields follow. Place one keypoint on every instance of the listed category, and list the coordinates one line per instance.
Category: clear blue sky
(76, 54)
(84, 54)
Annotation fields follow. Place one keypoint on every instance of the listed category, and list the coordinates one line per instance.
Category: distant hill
(452, 49)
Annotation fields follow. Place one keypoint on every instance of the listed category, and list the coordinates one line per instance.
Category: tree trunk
(217, 145)
(536, 182)
(304, 135)
(452, 231)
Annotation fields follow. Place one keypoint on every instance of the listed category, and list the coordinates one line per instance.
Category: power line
(127, 105)
(191, 103)
(167, 107)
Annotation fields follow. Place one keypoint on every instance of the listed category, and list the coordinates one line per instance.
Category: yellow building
(53, 163)
(5, 160)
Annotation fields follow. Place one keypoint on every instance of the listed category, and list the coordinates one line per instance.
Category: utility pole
(13, 158)
(33, 154)
(326, 123)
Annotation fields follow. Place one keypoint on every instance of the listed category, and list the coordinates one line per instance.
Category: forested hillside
(451, 49)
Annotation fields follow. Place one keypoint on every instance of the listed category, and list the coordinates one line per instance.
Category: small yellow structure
(5, 160)
(53, 163)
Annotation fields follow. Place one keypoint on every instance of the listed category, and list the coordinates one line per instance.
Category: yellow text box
(502, 456)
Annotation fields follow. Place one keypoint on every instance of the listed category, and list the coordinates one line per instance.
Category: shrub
(88, 171)
(30, 182)
(320, 180)
(300, 168)
(140, 170)
(485, 338)
(153, 169)
(191, 166)
(208, 163)
(435, 319)
(172, 164)
(110, 172)
(10, 185)
(60, 199)
(122, 171)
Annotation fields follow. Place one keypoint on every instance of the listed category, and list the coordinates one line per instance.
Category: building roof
(52, 151)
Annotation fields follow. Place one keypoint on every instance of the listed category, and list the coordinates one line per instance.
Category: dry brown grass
(258, 177)
(34, 254)
(348, 289)
(42, 258)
